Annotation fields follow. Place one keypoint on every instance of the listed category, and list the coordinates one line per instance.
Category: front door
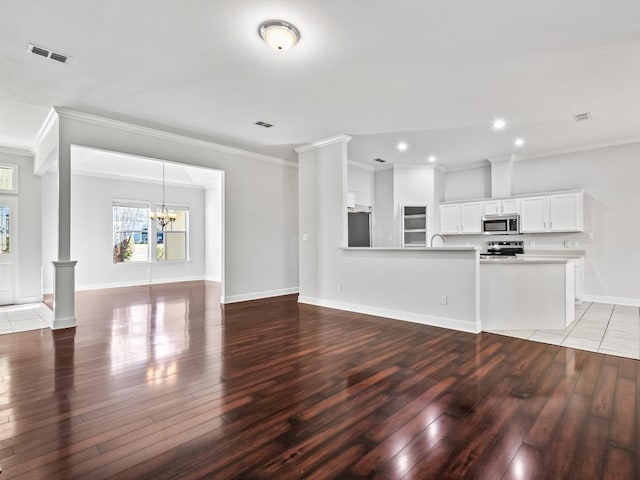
(8, 239)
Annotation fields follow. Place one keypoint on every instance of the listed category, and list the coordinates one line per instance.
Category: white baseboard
(212, 279)
(257, 295)
(451, 323)
(137, 283)
(34, 299)
(632, 302)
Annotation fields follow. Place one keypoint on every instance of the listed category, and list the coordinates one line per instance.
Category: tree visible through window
(130, 233)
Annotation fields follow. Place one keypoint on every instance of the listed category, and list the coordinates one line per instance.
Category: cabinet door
(471, 217)
(534, 215)
(511, 205)
(565, 212)
(351, 199)
(449, 222)
(492, 207)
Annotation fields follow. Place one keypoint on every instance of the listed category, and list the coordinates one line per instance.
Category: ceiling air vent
(581, 117)
(43, 52)
(264, 124)
(379, 160)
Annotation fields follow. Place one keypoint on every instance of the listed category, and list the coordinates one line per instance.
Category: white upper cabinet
(558, 212)
(492, 207)
(449, 219)
(565, 212)
(553, 212)
(535, 215)
(510, 206)
(471, 217)
(501, 207)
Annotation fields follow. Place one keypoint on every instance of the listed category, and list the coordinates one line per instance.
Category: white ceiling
(434, 74)
(100, 163)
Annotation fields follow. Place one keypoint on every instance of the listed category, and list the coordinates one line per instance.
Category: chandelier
(163, 216)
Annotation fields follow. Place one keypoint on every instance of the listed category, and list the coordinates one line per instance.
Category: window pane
(4, 229)
(6, 178)
(130, 234)
(172, 243)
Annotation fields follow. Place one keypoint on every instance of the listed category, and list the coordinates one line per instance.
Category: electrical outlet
(339, 288)
(305, 237)
(590, 235)
(532, 243)
(443, 300)
(567, 243)
(575, 243)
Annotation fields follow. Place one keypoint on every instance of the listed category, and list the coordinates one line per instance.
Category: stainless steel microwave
(501, 224)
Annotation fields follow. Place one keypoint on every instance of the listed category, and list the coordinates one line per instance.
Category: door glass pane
(4, 229)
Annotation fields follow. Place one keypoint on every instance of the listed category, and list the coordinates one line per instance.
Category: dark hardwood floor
(161, 383)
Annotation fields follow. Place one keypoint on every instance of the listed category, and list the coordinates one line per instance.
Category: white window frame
(15, 179)
(118, 202)
(173, 206)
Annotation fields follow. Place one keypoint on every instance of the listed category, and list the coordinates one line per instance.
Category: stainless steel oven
(501, 224)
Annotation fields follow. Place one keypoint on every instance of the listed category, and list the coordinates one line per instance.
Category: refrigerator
(359, 229)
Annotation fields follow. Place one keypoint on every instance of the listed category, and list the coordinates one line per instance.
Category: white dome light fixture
(279, 35)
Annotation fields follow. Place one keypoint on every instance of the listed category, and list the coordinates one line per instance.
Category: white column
(64, 308)
(64, 268)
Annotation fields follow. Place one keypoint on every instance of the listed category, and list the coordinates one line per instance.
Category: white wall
(467, 184)
(213, 232)
(609, 177)
(92, 233)
(360, 181)
(261, 247)
(49, 211)
(384, 231)
(29, 272)
(400, 283)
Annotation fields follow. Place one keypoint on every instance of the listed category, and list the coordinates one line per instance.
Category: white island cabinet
(526, 294)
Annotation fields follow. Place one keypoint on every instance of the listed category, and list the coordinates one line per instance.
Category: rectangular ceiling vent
(43, 52)
(581, 117)
(264, 124)
(379, 160)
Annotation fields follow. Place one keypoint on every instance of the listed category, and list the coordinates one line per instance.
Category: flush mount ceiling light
(431, 159)
(518, 142)
(279, 35)
(499, 124)
(402, 146)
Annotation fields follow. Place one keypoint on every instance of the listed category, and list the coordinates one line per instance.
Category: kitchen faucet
(444, 240)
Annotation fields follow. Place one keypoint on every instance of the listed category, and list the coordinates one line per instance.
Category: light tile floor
(599, 327)
(20, 318)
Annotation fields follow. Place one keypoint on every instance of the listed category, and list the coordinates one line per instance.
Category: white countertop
(567, 253)
(523, 261)
(414, 249)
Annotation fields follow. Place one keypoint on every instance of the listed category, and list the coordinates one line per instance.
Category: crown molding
(173, 137)
(580, 148)
(323, 143)
(20, 151)
(353, 163)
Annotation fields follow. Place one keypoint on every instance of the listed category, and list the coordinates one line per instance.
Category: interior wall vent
(43, 52)
(379, 160)
(581, 117)
(264, 124)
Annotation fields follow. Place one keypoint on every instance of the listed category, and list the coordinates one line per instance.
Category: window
(130, 232)
(9, 178)
(4, 229)
(172, 242)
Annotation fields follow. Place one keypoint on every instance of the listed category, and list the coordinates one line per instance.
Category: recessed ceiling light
(518, 142)
(431, 159)
(402, 146)
(499, 124)
(279, 35)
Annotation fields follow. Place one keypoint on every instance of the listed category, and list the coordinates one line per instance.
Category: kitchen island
(527, 293)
